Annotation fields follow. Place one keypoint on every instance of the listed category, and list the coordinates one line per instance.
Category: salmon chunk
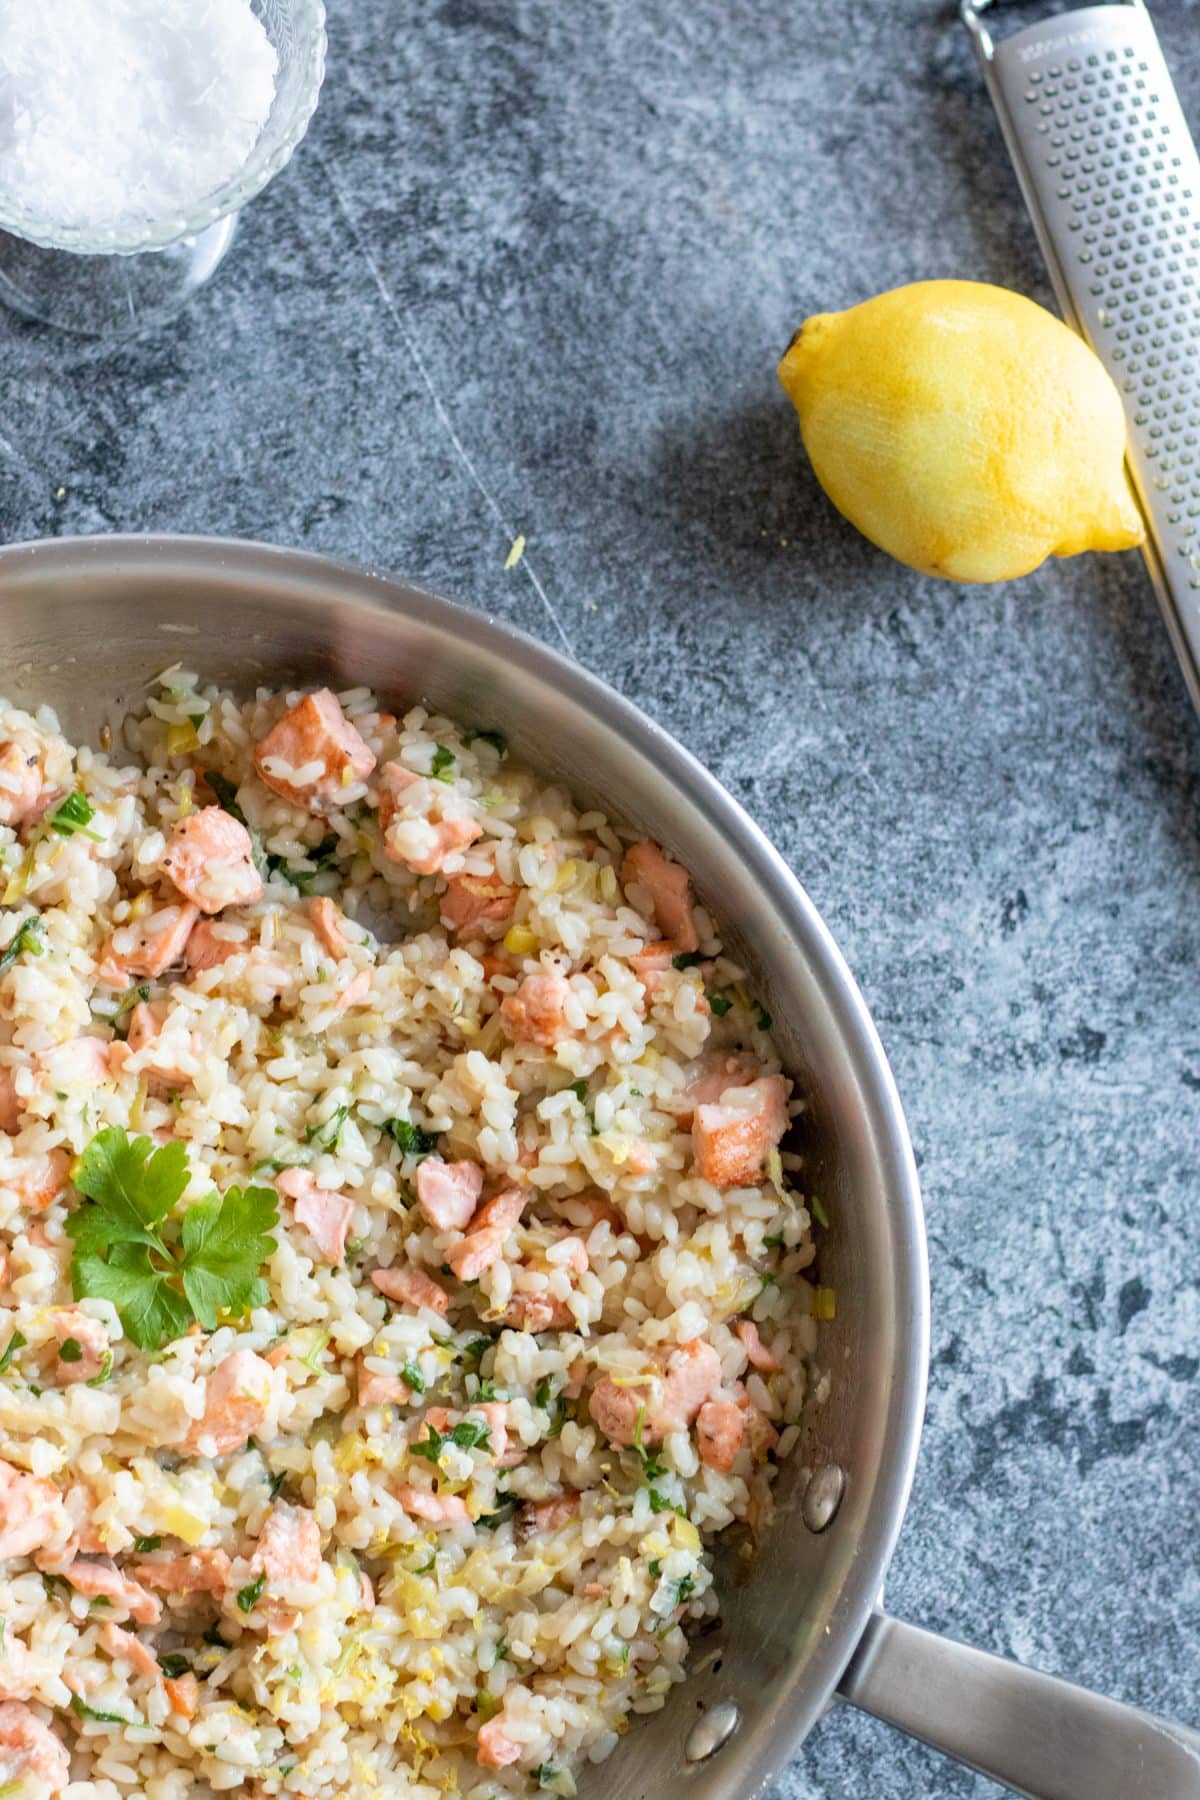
(732, 1138)
(236, 1401)
(438, 1509)
(490, 1230)
(40, 1179)
(423, 822)
(289, 1546)
(30, 1751)
(670, 890)
(313, 754)
(494, 1748)
(652, 964)
(209, 947)
(327, 921)
(20, 781)
(447, 1193)
(162, 1072)
(684, 1377)
(720, 1427)
(756, 1351)
(410, 1286)
(543, 1516)
(713, 1074)
(99, 1578)
(537, 1012)
(127, 1647)
(31, 1511)
(200, 1572)
(210, 859)
(477, 905)
(82, 1345)
(324, 1215)
(375, 1389)
(148, 945)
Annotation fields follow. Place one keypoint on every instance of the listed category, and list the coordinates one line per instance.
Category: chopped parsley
(818, 1212)
(16, 1342)
(651, 1467)
(74, 815)
(685, 1587)
(443, 762)
(660, 1504)
(773, 1243)
(277, 1481)
(173, 1664)
(580, 1090)
(413, 1378)
(328, 1135)
(762, 1017)
(26, 942)
(486, 1705)
(492, 1521)
(426, 1566)
(226, 794)
(249, 1596)
(302, 879)
(161, 1277)
(687, 959)
(720, 1004)
(70, 1351)
(468, 1434)
(84, 1711)
(213, 1636)
(144, 1545)
(410, 1139)
(655, 1567)
(476, 1350)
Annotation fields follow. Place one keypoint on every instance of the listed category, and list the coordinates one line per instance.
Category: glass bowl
(111, 282)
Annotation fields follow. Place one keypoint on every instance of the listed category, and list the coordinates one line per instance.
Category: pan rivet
(823, 1496)
(711, 1732)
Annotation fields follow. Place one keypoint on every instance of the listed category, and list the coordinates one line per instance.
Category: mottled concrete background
(531, 271)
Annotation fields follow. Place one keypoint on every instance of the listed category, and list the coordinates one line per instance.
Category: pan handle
(1037, 1735)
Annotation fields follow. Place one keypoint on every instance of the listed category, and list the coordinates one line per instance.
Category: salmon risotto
(402, 1279)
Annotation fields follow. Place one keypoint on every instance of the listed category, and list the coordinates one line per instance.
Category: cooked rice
(563, 1633)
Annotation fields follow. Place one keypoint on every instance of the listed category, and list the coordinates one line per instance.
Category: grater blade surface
(1110, 173)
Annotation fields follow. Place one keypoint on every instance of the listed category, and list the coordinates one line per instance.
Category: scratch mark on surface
(447, 423)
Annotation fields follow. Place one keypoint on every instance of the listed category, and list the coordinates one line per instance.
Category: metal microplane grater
(1111, 177)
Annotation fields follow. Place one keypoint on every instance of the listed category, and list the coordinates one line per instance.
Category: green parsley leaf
(494, 1520)
(660, 1504)
(655, 1567)
(487, 1391)
(579, 1089)
(443, 762)
(762, 1017)
(249, 1596)
(720, 1004)
(685, 1587)
(225, 1243)
(122, 1252)
(75, 815)
(430, 1447)
(26, 942)
(469, 1434)
(413, 1378)
(426, 1566)
(70, 1351)
(143, 1545)
(486, 1705)
(687, 959)
(545, 1393)
(411, 1139)
(277, 1481)
(173, 1664)
(476, 1350)
(16, 1342)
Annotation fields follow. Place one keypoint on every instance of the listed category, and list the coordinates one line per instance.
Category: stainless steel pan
(85, 624)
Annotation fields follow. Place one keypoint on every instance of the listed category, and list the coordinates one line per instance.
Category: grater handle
(1110, 175)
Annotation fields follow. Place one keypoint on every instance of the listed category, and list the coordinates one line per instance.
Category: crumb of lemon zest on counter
(516, 552)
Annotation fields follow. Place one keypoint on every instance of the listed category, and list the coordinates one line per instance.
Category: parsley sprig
(468, 1434)
(160, 1274)
(26, 941)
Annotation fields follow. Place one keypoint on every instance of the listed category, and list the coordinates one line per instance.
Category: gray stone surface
(531, 272)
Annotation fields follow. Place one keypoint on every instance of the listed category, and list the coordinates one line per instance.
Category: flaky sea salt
(115, 112)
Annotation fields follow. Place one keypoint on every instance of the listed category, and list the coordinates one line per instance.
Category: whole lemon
(963, 429)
